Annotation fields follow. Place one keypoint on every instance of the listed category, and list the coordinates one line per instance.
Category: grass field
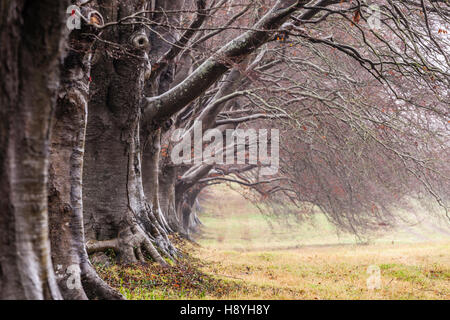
(313, 261)
(407, 271)
(243, 255)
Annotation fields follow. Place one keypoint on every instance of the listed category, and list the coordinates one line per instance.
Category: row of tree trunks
(176, 201)
(118, 214)
(99, 179)
(108, 79)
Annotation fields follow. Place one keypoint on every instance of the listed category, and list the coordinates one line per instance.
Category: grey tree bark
(117, 213)
(32, 34)
(77, 279)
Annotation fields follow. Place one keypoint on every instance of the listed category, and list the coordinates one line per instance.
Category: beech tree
(358, 90)
(32, 38)
(120, 215)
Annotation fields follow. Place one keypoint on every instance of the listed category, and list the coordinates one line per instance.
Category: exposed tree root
(138, 236)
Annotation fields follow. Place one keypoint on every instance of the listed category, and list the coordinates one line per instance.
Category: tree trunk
(117, 214)
(77, 278)
(150, 172)
(185, 205)
(157, 181)
(167, 180)
(185, 201)
(31, 36)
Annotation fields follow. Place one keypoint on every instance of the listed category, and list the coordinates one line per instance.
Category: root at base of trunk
(131, 244)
